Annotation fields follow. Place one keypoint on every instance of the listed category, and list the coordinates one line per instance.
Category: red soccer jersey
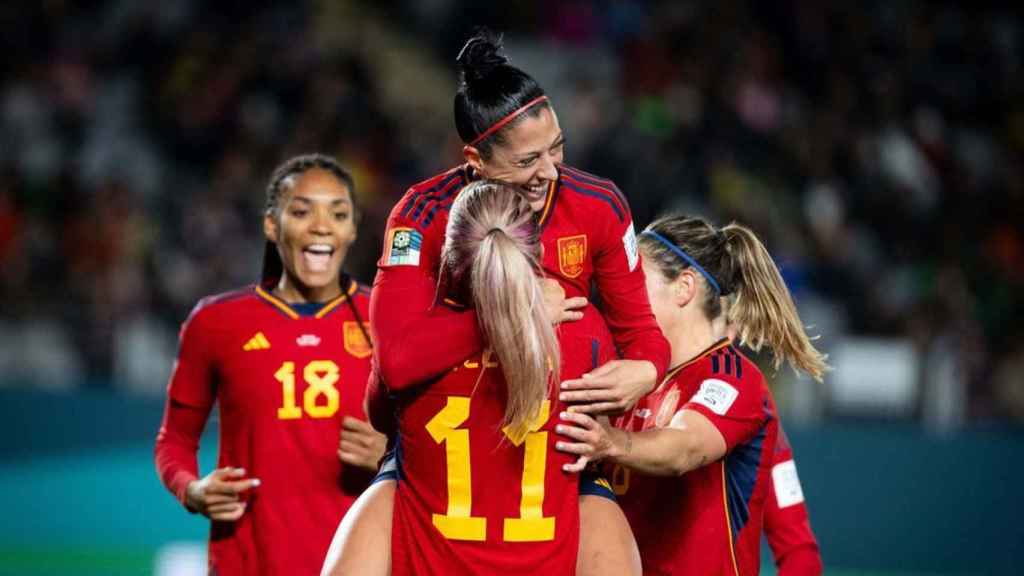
(472, 501)
(283, 382)
(786, 523)
(709, 520)
(587, 233)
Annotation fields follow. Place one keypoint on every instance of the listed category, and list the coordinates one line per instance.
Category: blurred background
(877, 147)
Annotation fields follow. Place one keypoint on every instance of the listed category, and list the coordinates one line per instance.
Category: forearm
(177, 444)
(415, 339)
(804, 560)
(657, 452)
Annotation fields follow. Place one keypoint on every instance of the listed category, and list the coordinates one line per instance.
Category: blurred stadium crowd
(878, 148)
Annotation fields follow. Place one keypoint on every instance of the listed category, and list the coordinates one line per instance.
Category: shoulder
(361, 297)
(601, 194)
(217, 305)
(423, 200)
(724, 376)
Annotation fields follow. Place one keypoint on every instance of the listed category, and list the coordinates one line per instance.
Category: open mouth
(536, 192)
(317, 257)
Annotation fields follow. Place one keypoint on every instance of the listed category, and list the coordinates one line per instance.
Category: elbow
(688, 458)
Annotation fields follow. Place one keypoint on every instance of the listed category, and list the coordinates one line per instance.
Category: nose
(547, 170)
(320, 223)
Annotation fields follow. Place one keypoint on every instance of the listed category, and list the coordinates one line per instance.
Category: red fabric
(496, 467)
(235, 350)
(788, 529)
(583, 211)
(709, 520)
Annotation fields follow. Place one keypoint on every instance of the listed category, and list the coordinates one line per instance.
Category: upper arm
(620, 281)
(192, 378)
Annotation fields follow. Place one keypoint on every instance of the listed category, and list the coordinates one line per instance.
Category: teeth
(319, 249)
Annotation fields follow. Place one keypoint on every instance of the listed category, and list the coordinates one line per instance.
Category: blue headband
(686, 257)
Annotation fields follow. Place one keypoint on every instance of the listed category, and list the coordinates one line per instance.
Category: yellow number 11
(458, 523)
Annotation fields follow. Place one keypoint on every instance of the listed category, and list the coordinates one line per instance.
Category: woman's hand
(612, 388)
(218, 495)
(561, 309)
(360, 444)
(594, 440)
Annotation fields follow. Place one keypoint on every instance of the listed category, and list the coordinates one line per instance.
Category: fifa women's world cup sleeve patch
(788, 491)
(716, 395)
(402, 247)
(630, 244)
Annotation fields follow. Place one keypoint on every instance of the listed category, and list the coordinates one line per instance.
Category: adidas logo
(257, 342)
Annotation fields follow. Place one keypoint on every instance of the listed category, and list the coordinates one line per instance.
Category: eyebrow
(306, 200)
(527, 155)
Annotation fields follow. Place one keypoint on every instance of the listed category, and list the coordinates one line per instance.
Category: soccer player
(482, 490)
(786, 523)
(287, 361)
(693, 461)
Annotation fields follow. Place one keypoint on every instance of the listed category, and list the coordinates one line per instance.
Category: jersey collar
(288, 311)
(675, 370)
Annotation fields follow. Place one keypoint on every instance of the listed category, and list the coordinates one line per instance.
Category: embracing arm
(687, 443)
(416, 339)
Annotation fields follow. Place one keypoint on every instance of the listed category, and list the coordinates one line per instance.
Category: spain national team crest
(355, 340)
(572, 253)
(667, 409)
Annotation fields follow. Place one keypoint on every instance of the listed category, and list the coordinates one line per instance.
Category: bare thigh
(607, 545)
(362, 544)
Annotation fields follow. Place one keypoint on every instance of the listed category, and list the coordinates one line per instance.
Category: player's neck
(692, 336)
(295, 293)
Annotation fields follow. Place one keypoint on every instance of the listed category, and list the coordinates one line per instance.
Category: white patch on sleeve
(629, 242)
(788, 491)
(716, 396)
(403, 247)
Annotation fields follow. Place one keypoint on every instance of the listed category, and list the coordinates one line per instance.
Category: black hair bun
(481, 54)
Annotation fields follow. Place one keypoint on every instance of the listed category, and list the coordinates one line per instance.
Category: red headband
(500, 123)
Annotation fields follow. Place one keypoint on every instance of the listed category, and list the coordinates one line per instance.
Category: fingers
(227, 472)
(598, 408)
(588, 383)
(599, 395)
(581, 420)
(350, 424)
(233, 488)
(572, 432)
(578, 466)
(575, 303)
(226, 512)
(604, 369)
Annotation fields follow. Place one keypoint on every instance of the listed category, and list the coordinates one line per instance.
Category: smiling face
(313, 227)
(527, 158)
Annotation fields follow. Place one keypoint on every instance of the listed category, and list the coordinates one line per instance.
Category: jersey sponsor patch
(788, 491)
(355, 339)
(716, 395)
(629, 243)
(403, 247)
(572, 253)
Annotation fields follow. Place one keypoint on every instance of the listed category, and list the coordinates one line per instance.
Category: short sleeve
(737, 408)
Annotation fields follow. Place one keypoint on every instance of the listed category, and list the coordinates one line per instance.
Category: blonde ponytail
(762, 309)
(492, 246)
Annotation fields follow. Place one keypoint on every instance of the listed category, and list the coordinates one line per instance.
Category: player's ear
(684, 288)
(472, 156)
(270, 227)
